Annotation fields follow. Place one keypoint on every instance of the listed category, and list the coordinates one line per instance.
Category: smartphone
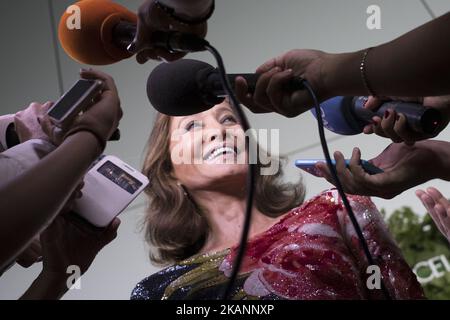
(310, 166)
(77, 99)
(109, 188)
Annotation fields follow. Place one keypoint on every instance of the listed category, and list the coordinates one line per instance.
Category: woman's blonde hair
(174, 225)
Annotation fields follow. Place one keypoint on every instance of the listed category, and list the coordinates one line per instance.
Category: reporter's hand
(67, 242)
(404, 167)
(26, 122)
(152, 18)
(30, 255)
(395, 127)
(101, 119)
(438, 207)
(270, 95)
(33, 253)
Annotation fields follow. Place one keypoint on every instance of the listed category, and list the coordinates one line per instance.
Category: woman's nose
(215, 132)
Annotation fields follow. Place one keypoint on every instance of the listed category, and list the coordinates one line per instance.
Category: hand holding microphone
(188, 86)
(348, 116)
(270, 95)
(153, 16)
(394, 125)
(110, 33)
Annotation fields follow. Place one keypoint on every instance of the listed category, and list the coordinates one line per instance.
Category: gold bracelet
(362, 68)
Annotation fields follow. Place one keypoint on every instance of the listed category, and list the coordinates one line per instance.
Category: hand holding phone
(310, 166)
(77, 99)
(101, 116)
(109, 187)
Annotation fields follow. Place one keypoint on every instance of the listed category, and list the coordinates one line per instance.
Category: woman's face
(208, 149)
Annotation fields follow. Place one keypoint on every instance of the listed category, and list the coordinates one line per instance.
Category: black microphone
(186, 87)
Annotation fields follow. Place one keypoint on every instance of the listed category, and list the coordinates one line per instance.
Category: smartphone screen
(120, 177)
(71, 98)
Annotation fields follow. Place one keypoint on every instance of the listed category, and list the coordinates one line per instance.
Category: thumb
(139, 40)
(46, 106)
(111, 231)
(373, 103)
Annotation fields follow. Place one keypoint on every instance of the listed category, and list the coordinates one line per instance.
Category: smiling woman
(185, 162)
(197, 168)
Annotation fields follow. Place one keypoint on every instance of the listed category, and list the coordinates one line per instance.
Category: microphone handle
(214, 85)
(420, 119)
(123, 34)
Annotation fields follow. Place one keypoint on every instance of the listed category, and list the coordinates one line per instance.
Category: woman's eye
(229, 119)
(191, 125)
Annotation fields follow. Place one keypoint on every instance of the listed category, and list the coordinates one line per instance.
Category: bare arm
(65, 243)
(32, 200)
(415, 64)
(46, 287)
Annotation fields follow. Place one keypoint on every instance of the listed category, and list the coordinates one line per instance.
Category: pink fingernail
(365, 102)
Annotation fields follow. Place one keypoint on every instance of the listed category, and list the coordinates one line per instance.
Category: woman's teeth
(220, 151)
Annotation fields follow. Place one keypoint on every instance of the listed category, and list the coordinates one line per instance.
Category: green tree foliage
(420, 241)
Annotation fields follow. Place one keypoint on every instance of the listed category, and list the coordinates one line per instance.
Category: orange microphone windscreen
(91, 40)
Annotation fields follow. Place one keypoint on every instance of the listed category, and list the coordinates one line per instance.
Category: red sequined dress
(312, 253)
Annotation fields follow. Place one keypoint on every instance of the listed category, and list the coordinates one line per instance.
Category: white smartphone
(109, 188)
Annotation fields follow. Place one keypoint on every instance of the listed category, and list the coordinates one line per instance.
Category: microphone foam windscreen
(91, 42)
(174, 88)
(337, 116)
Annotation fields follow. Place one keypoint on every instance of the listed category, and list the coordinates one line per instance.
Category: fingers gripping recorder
(347, 115)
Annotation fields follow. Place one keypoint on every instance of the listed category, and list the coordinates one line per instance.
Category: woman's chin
(223, 170)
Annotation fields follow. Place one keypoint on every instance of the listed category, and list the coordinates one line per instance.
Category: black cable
(55, 48)
(428, 9)
(339, 187)
(251, 170)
